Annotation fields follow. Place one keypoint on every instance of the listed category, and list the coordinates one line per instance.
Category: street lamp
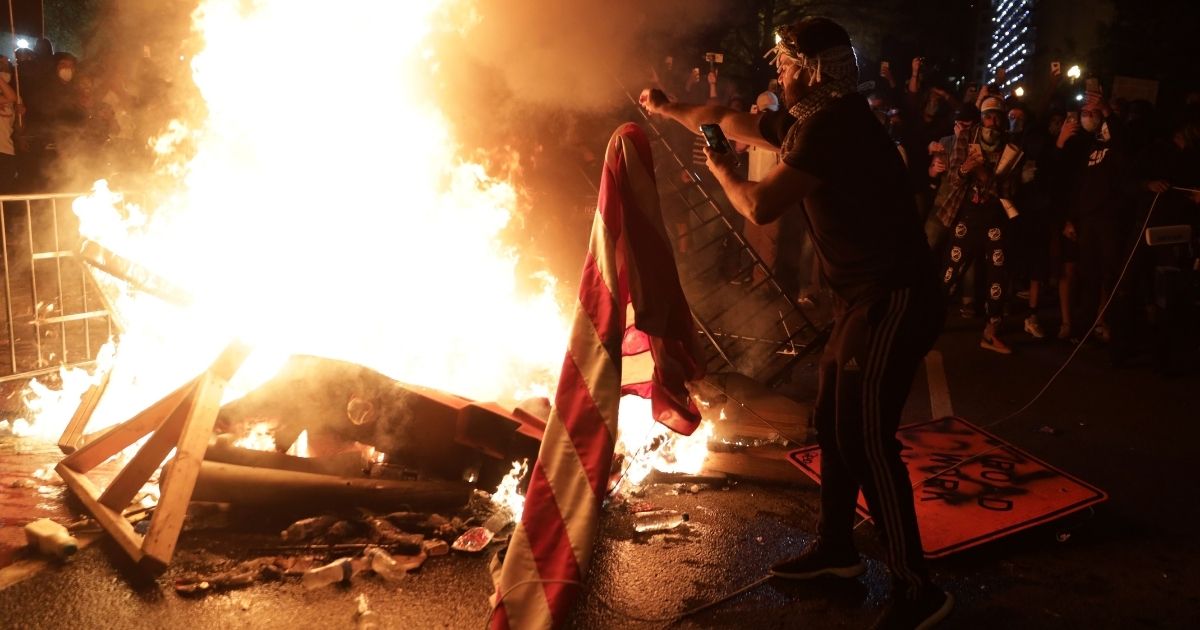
(22, 43)
(1019, 92)
(1074, 72)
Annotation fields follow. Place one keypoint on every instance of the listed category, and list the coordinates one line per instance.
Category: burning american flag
(629, 269)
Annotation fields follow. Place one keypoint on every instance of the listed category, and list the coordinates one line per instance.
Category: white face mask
(1090, 123)
(66, 74)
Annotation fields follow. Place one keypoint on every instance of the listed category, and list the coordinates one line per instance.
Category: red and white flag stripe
(630, 270)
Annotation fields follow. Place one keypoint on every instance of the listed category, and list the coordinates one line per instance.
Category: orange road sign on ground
(1002, 491)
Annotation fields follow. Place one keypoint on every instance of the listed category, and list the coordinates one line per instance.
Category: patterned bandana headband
(834, 73)
(839, 63)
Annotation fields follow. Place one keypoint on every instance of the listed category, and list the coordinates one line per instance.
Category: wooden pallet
(183, 420)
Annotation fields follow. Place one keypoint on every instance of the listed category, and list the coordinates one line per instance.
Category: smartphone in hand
(716, 140)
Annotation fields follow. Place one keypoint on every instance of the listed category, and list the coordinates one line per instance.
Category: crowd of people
(61, 121)
(1033, 204)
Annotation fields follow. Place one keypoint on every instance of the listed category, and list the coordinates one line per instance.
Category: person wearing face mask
(1099, 194)
(977, 221)
(965, 121)
(62, 118)
(1040, 221)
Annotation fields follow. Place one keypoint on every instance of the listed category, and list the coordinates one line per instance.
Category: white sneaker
(1033, 328)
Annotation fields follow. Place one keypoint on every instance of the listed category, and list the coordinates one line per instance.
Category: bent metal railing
(54, 313)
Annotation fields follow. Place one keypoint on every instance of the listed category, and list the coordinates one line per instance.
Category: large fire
(325, 209)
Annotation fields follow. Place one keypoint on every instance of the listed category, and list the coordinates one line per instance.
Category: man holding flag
(838, 160)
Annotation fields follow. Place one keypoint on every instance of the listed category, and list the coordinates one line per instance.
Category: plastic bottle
(339, 570)
(366, 618)
(499, 519)
(658, 520)
(384, 565)
(51, 538)
(307, 528)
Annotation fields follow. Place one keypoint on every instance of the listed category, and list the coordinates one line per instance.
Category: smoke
(546, 82)
(499, 62)
(135, 75)
(511, 76)
(570, 54)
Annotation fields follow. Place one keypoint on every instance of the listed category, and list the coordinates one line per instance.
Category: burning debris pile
(334, 548)
(357, 421)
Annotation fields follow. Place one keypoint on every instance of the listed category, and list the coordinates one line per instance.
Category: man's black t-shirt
(862, 215)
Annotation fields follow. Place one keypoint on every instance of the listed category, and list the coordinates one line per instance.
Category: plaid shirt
(981, 190)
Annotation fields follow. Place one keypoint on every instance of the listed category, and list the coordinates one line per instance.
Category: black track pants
(866, 372)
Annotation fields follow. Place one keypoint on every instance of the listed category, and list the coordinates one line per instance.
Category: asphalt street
(1131, 562)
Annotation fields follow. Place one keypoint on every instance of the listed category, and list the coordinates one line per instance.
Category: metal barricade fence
(54, 313)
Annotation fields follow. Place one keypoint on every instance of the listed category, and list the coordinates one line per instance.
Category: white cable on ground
(1099, 317)
(1071, 357)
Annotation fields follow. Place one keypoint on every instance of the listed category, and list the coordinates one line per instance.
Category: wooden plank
(172, 507)
(761, 463)
(149, 457)
(98, 451)
(112, 521)
(230, 359)
(73, 433)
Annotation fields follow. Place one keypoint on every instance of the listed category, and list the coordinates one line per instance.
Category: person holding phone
(976, 218)
(888, 309)
(1099, 187)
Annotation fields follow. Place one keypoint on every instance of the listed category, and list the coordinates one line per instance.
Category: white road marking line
(939, 391)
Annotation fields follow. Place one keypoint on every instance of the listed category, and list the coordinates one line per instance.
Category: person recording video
(857, 200)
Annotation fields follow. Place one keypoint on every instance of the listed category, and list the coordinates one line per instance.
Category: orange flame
(314, 220)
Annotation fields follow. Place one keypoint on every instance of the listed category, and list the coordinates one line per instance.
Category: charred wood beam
(344, 465)
(135, 274)
(231, 483)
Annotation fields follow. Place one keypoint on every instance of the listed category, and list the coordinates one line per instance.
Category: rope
(1071, 357)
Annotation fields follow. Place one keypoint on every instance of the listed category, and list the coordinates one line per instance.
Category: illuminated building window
(1012, 40)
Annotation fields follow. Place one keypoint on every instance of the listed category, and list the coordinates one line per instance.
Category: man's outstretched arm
(740, 126)
(765, 201)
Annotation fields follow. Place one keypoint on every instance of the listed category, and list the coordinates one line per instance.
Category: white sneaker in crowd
(1033, 327)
